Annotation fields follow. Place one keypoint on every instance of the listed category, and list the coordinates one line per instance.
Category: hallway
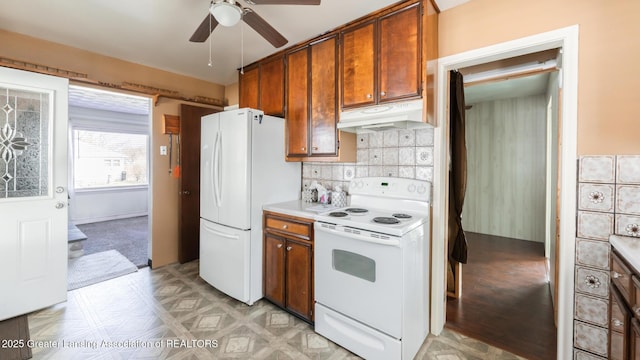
(506, 300)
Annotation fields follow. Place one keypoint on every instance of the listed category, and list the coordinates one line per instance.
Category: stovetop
(392, 206)
(396, 223)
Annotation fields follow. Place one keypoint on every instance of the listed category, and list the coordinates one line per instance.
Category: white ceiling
(108, 100)
(505, 89)
(156, 32)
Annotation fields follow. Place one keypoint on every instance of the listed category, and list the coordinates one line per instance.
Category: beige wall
(102, 68)
(165, 211)
(232, 94)
(607, 98)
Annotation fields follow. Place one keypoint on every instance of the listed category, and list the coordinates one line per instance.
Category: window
(109, 159)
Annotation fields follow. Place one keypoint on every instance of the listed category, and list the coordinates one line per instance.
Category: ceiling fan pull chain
(242, 46)
(210, 36)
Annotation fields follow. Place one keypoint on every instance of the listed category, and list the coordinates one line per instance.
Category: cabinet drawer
(621, 277)
(288, 226)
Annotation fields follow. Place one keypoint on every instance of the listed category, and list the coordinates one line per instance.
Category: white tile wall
(592, 310)
(583, 355)
(608, 203)
(593, 225)
(628, 199)
(599, 169)
(628, 169)
(596, 197)
(590, 338)
(593, 253)
(395, 153)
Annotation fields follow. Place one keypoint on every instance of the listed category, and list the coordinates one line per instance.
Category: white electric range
(371, 269)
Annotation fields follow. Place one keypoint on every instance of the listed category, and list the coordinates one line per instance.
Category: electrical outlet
(163, 150)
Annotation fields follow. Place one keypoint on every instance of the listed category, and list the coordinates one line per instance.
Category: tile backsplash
(394, 153)
(608, 203)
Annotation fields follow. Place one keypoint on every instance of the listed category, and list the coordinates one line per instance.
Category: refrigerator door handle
(221, 234)
(218, 172)
(215, 170)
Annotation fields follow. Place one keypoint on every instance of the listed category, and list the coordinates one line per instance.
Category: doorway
(109, 157)
(567, 40)
(506, 295)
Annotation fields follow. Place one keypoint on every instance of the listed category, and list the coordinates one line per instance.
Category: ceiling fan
(229, 12)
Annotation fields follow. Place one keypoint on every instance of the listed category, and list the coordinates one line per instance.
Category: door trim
(567, 40)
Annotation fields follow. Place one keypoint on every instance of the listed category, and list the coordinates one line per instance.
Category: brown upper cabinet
(249, 83)
(381, 58)
(262, 86)
(312, 90)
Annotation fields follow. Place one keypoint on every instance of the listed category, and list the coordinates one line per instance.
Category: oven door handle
(392, 241)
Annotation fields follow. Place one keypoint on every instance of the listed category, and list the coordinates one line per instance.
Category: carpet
(128, 236)
(94, 268)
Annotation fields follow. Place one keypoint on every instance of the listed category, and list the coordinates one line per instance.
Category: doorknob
(186, 192)
(59, 205)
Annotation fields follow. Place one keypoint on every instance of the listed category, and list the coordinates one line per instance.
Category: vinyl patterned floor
(170, 313)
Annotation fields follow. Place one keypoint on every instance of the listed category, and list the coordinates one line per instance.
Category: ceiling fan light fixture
(226, 12)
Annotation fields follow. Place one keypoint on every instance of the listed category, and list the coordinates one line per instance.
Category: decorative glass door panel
(24, 143)
(33, 196)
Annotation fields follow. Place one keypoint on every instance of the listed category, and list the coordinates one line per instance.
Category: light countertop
(298, 208)
(629, 248)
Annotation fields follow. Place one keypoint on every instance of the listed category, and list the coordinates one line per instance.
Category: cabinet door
(272, 86)
(619, 319)
(400, 54)
(298, 278)
(274, 268)
(358, 65)
(249, 82)
(297, 102)
(635, 340)
(324, 105)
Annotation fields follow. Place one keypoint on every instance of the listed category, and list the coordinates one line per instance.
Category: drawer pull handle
(285, 226)
(288, 248)
(616, 322)
(617, 275)
(279, 246)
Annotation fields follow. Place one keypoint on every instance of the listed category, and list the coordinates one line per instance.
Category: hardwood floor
(506, 300)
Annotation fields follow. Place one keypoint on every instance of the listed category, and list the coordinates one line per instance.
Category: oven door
(359, 276)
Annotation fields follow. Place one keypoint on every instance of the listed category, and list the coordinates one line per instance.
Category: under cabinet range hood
(400, 115)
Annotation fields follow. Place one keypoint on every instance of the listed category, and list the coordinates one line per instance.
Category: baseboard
(106, 218)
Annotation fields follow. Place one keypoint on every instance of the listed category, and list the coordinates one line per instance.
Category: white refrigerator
(242, 168)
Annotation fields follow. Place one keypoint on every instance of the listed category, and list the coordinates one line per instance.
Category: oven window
(354, 264)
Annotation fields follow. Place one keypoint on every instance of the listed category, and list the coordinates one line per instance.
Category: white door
(209, 175)
(33, 194)
(235, 154)
(224, 259)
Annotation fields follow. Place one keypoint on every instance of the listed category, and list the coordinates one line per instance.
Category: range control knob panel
(391, 187)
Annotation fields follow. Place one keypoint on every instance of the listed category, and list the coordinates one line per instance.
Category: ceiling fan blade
(202, 32)
(285, 2)
(263, 28)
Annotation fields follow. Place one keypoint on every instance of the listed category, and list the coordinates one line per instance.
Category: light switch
(163, 150)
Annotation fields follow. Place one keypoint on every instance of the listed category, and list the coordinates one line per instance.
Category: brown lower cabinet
(618, 326)
(624, 310)
(635, 340)
(288, 263)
